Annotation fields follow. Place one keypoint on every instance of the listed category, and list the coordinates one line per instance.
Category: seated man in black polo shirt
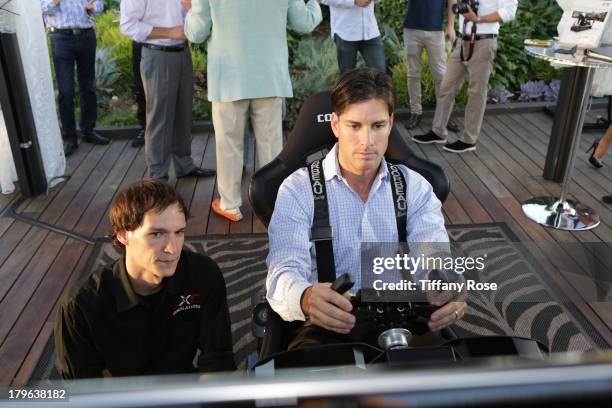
(159, 309)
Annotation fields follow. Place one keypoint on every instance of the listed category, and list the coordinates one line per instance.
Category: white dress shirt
(139, 17)
(351, 22)
(292, 265)
(505, 8)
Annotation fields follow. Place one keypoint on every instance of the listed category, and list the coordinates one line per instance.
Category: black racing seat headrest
(310, 139)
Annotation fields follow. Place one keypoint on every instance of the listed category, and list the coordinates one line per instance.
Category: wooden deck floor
(37, 266)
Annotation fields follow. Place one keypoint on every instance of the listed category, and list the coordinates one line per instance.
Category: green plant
(392, 13)
(109, 36)
(534, 19)
(202, 108)
(106, 74)
(111, 4)
(117, 111)
(394, 47)
(315, 70)
(293, 39)
(400, 84)
(198, 59)
(117, 118)
(106, 70)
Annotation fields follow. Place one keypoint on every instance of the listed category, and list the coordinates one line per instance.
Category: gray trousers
(477, 70)
(167, 78)
(433, 42)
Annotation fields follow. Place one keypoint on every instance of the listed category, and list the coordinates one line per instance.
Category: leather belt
(167, 48)
(480, 37)
(71, 31)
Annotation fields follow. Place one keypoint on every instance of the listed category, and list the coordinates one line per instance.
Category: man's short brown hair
(360, 85)
(130, 205)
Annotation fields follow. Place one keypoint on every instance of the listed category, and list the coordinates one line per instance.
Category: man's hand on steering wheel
(452, 308)
(448, 314)
(328, 309)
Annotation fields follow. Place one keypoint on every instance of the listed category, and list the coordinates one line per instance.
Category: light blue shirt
(247, 44)
(291, 261)
(69, 13)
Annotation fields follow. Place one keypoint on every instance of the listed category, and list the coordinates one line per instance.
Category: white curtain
(28, 25)
(8, 175)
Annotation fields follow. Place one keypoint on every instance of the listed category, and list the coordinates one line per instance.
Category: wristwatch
(478, 20)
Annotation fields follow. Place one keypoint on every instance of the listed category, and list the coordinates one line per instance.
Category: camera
(462, 6)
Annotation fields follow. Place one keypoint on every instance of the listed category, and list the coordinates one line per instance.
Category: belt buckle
(76, 31)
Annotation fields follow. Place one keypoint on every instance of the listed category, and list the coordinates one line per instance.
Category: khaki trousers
(433, 42)
(229, 121)
(477, 70)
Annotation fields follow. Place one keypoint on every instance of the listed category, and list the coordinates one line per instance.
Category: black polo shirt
(108, 329)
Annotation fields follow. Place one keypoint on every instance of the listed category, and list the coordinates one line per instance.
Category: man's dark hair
(130, 205)
(360, 85)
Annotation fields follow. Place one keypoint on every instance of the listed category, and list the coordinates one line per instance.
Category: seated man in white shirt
(473, 59)
(361, 209)
(354, 29)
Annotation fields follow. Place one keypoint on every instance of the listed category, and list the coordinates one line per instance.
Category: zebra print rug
(555, 323)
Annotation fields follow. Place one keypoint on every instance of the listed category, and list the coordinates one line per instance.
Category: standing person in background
(354, 28)
(424, 30)
(599, 149)
(167, 77)
(73, 41)
(139, 95)
(248, 74)
(471, 59)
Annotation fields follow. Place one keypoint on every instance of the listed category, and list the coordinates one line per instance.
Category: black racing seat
(310, 136)
(309, 140)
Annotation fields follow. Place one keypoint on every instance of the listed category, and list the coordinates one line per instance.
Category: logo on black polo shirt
(187, 302)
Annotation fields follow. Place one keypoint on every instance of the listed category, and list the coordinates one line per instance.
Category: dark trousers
(372, 51)
(139, 94)
(68, 49)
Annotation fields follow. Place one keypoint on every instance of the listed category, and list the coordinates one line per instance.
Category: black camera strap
(472, 40)
(321, 232)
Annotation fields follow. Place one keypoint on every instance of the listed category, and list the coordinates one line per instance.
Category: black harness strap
(398, 188)
(321, 233)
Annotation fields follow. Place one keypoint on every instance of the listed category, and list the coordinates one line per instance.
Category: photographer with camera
(473, 58)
